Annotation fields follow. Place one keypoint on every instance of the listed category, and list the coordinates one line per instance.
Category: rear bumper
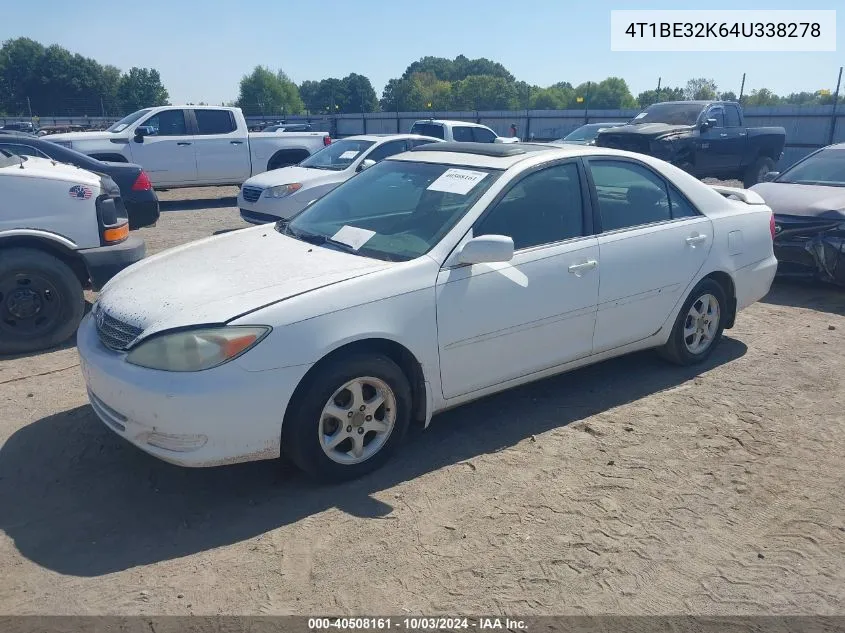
(753, 282)
(105, 262)
(142, 212)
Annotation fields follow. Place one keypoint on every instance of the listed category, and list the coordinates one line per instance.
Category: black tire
(675, 350)
(41, 301)
(754, 174)
(300, 431)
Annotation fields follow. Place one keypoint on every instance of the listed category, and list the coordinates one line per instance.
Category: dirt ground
(631, 487)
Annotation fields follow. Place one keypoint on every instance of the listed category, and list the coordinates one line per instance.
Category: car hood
(44, 167)
(647, 129)
(219, 278)
(288, 175)
(815, 201)
(80, 136)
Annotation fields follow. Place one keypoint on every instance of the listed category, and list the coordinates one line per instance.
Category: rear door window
(462, 133)
(428, 129)
(214, 121)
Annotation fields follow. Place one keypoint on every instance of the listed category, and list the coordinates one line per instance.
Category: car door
(222, 153)
(652, 244)
(733, 138)
(483, 135)
(714, 150)
(497, 322)
(461, 133)
(168, 153)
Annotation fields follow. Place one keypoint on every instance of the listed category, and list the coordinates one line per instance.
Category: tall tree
(728, 96)
(648, 97)
(457, 69)
(761, 97)
(609, 94)
(141, 88)
(265, 92)
(484, 92)
(701, 89)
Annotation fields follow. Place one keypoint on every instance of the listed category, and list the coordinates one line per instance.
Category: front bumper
(266, 210)
(814, 252)
(104, 262)
(222, 415)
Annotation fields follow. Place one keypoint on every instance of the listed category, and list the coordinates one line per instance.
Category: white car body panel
(193, 159)
(53, 214)
(473, 329)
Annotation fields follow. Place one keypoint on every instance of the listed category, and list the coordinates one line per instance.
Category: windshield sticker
(352, 236)
(460, 181)
(79, 192)
(640, 115)
(349, 154)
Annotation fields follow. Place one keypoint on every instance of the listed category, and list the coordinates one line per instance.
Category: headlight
(282, 190)
(195, 350)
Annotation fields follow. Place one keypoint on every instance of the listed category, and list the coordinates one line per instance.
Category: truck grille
(627, 142)
(114, 333)
(251, 194)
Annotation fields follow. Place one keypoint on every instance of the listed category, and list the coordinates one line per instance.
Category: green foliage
(648, 97)
(263, 91)
(484, 92)
(420, 91)
(610, 94)
(701, 89)
(353, 93)
(458, 69)
(58, 82)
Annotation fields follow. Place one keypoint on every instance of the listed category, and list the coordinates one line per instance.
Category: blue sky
(203, 47)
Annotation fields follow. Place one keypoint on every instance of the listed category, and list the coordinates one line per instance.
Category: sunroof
(482, 149)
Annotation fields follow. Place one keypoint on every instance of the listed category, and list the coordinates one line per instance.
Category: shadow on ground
(812, 295)
(77, 499)
(196, 204)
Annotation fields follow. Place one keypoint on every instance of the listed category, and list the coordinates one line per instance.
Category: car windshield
(585, 133)
(671, 113)
(337, 156)
(7, 159)
(126, 121)
(428, 129)
(826, 167)
(394, 211)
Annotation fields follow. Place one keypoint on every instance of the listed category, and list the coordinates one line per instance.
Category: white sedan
(282, 193)
(433, 278)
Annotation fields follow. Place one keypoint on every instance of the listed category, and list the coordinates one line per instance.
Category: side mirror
(707, 124)
(141, 131)
(487, 249)
(770, 176)
(366, 164)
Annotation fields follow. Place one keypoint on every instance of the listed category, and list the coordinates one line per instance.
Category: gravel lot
(631, 487)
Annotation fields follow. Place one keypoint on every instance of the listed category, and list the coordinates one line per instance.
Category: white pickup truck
(459, 131)
(183, 146)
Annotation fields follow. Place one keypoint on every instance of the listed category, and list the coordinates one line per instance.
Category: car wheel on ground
(757, 170)
(41, 301)
(698, 328)
(349, 418)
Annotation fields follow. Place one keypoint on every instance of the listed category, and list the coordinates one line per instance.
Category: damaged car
(808, 201)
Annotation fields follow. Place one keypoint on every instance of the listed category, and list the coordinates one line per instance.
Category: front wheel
(352, 415)
(757, 171)
(698, 328)
(41, 301)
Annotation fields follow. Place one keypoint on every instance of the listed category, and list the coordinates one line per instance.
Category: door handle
(577, 269)
(692, 240)
(723, 135)
(236, 142)
(183, 143)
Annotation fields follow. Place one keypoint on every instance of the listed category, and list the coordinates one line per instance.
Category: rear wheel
(757, 171)
(41, 301)
(286, 159)
(698, 328)
(350, 418)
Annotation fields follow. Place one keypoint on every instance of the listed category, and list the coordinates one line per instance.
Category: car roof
(449, 122)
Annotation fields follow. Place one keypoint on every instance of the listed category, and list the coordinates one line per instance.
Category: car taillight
(142, 182)
(772, 225)
(327, 140)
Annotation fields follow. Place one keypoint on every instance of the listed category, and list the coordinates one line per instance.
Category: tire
(678, 348)
(307, 429)
(41, 301)
(286, 159)
(754, 174)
